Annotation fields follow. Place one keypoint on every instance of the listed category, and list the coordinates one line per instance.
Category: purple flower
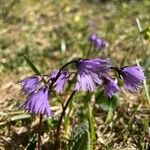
(99, 44)
(97, 66)
(110, 87)
(37, 102)
(60, 82)
(133, 77)
(93, 37)
(29, 84)
(88, 72)
(86, 82)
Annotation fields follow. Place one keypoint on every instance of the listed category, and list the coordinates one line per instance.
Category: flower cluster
(90, 74)
(97, 42)
(38, 94)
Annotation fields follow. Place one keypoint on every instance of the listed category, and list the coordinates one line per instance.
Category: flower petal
(133, 77)
(37, 103)
(61, 81)
(29, 84)
(110, 87)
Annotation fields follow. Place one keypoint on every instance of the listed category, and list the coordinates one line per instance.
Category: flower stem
(39, 132)
(114, 68)
(61, 118)
(58, 74)
(118, 71)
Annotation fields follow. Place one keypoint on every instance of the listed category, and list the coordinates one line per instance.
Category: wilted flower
(29, 84)
(110, 87)
(99, 43)
(60, 82)
(37, 102)
(88, 72)
(133, 77)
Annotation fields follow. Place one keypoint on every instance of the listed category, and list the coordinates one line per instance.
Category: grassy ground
(54, 32)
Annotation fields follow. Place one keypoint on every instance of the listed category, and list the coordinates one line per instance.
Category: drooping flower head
(133, 77)
(110, 86)
(29, 84)
(37, 102)
(97, 66)
(93, 37)
(99, 44)
(88, 71)
(60, 82)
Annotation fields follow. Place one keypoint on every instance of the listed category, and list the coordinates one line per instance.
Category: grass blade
(30, 63)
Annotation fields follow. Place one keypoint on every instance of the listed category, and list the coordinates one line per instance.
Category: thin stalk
(88, 51)
(39, 132)
(91, 123)
(61, 118)
(145, 84)
(58, 74)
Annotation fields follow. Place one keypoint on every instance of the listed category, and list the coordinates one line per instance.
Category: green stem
(39, 132)
(91, 123)
(145, 84)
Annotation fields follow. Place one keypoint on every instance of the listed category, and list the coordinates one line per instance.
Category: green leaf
(80, 139)
(32, 144)
(20, 117)
(110, 113)
(105, 102)
(50, 123)
(31, 64)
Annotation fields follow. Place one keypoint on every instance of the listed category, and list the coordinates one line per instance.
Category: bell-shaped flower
(88, 72)
(37, 102)
(133, 77)
(93, 37)
(61, 81)
(29, 84)
(110, 87)
(100, 44)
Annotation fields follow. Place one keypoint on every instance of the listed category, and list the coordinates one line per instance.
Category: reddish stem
(56, 144)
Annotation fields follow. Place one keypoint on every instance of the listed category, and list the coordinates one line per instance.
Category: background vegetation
(54, 32)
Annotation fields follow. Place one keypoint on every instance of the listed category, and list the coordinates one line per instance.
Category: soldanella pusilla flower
(91, 74)
(97, 42)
